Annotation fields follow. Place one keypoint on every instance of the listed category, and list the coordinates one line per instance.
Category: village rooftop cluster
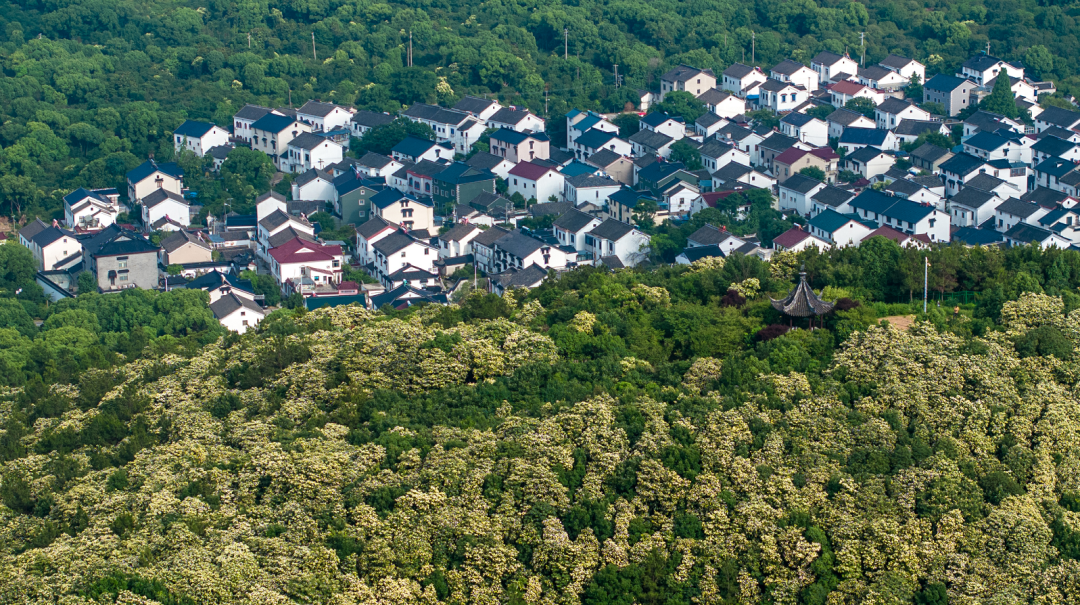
(430, 208)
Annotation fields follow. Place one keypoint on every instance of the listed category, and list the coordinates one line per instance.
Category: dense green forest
(90, 87)
(651, 437)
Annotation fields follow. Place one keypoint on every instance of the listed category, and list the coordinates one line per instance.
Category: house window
(123, 277)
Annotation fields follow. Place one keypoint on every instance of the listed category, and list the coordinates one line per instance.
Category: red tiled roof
(846, 87)
(530, 171)
(790, 156)
(888, 233)
(790, 238)
(297, 250)
(825, 153)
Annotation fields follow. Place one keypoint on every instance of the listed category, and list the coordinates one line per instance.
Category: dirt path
(900, 322)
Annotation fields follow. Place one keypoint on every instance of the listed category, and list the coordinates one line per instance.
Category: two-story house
(163, 210)
(412, 149)
(325, 117)
(412, 213)
(743, 81)
(519, 146)
(983, 69)
(795, 192)
(685, 78)
(951, 92)
(481, 109)
(514, 119)
(829, 65)
(364, 121)
(570, 228)
(905, 67)
(613, 238)
(271, 135)
(535, 181)
(150, 176)
(795, 73)
(243, 119)
(780, 96)
(892, 111)
(806, 128)
(308, 150)
(198, 137)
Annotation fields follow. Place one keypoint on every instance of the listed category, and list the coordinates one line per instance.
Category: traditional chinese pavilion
(802, 302)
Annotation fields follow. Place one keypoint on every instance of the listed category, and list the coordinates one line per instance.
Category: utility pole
(249, 39)
(290, 97)
(753, 47)
(616, 76)
(987, 47)
(313, 54)
(546, 88)
(565, 42)
(862, 41)
(925, 281)
(410, 48)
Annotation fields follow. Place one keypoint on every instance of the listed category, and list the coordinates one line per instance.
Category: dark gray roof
(574, 220)
(962, 164)
(1044, 197)
(985, 182)
(1018, 208)
(252, 112)
(683, 73)
(472, 105)
(518, 244)
(778, 142)
(904, 186)
(732, 171)
(707, 119)
(914, 128)
(457, 232)
(738, 71)
(714, 148)
(1053, 146)
(311, 175)
(307, 140)
(394, 242)
(193, 129)
(833, 197)
(772, 85)
(178, 238)
(484, 161)
(798, 119)
(826, 58)
(985, 120)
(611, 229)
(371, 119)
(32, 229)
(490, 236)
(651, 139)
(874, 72)
(896, 61)
(317, 108)
(521, 278)
(508, 116)
(801, 183)
(844, 117)
(230, 303)
(604, 158)
(787, 67)
(929, 152)
(863, 154)
(612, 262)
(892, 104)
(865, 136)
(591, 180)
(1023, 232)
(946, 83)
(1059, 117)
(972, 197)
(158, 196)
(802, 302)
(930, 181)
(713, 96)
(709, 235)
(374, 226)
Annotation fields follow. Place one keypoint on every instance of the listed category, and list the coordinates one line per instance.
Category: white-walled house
(905, 67)
(308, 150)
(685, 78)
(198, 137)
(795, 73)
(314, 184)
(828, 65)
(535, 181)
(150, 176)
(722, 103)
(618, 239)
(972, 207)
(271, 134)
(248, 115)
(891, 111)
(589, 188)
(838, 229)
(91, 209)
(796, 191)
(412, 149)
(781, 96)
(237, 313)
(299, 258)
(164, 204)
(903, 215)
(742, 80)
(806, 128)
(396, 253)
(570, 228)
(869, 162)
(798, 239)
(324, 117)
(842, 119)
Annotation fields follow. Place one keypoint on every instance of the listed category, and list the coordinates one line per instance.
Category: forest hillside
(604, 439)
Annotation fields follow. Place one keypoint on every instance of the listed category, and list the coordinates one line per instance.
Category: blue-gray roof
(1055, 167)
(657, 118)
(193, 129)
(413, 147)
(514, 137)
(962, 164)
(149, 167)
(986, 141)
(388, 196)
(273, 122)
(595, 139)
(972, 236)
(830, 220)
(944, 83)
(576, 168)
(874, 137)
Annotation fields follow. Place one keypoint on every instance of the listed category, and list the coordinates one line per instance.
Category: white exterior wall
(174, 209)
(199, 146)
(628, 249)
(241, 320)
(421, 216)
(962, 216)
(730, 107)
(137, 191)
(318, 189)
(596, 195)
(846, 65)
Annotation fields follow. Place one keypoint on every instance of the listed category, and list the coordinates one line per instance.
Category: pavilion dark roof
(802, 302)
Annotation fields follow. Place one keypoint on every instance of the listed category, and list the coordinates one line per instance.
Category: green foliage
(384, 138)
(813, 172)
(1001, 99)
(680, 104)
(1044, 341)
(681, 151)
(629, 124)
(862, 105)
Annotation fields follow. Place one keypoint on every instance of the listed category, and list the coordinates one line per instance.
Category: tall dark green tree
(1001, 99)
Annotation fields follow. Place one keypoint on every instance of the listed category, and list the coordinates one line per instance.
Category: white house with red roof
(846, 90)
(797, 239)
(534, 181)
(298, 258)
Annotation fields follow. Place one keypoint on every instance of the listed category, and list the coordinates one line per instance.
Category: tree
(643, 213)
(821, 112)
(680, 103)
(930, 136)
(383, 138)
(681, 151)
(862, 105)
(813, 172)
(1001, 99)
(17, 267)
(1039, 59)
(629, 124)
(246, 174)
(87, 283)
(914, 89)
